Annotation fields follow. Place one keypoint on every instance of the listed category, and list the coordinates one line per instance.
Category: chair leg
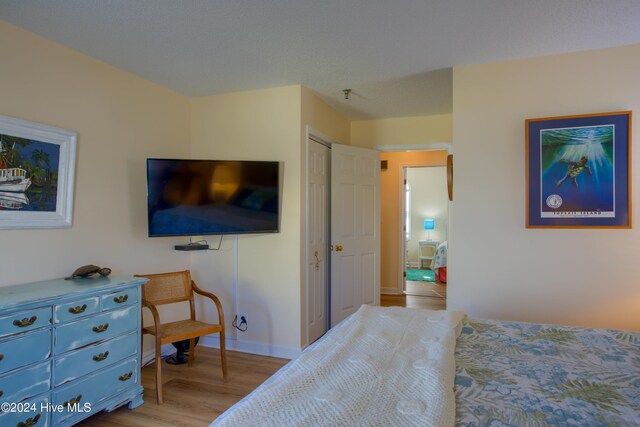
(223, 355)
(192, 351)
(158, 371)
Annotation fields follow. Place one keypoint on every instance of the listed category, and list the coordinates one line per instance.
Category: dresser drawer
(25, 383)
(76, 309)
(25, 321)
(96, 387)
(24, 350)
(30, 413)
(95, 357)
(118, 299)
(68, 339)
(97, 328)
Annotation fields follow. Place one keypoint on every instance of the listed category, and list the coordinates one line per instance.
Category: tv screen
(201, 197)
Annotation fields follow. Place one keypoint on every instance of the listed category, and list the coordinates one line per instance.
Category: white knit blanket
(381, 367)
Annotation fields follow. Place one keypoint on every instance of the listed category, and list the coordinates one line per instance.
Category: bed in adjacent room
(399, 366)
(439, 263)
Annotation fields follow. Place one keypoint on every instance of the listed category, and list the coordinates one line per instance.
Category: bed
(439, 263)
(399, 366)
(512, 373)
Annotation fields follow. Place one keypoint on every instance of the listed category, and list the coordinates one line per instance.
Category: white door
(355, 230)
(318, 236)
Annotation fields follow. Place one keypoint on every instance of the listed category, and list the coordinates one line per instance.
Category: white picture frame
(37, 170)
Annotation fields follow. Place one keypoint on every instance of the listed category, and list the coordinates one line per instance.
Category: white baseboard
(390, 291)
(252, 347)
(149, 355)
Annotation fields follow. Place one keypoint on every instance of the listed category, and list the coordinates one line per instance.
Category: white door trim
(312, 135)
(438, 146)
(431, 146)
(403, 168)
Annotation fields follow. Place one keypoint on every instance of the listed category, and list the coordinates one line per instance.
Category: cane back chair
(175, 287)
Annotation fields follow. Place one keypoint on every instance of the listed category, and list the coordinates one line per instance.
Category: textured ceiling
(396, 55)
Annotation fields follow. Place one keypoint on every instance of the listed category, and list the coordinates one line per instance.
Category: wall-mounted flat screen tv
(203, 197)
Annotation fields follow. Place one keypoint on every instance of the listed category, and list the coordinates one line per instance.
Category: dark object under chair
(181, 356)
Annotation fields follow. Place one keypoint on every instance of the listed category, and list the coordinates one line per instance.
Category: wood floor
(429, 295)
(194, 397)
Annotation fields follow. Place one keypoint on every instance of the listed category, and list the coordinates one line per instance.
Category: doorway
(394, 247)
(425, 224)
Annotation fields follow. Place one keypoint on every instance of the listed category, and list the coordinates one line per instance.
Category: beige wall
(390, 212)
(267, 124)
(256, 125)
(317, 114)
(428, 200)
(402, 131)
(499, 269)
(121, 120)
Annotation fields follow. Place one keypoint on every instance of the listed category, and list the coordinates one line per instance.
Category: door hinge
(404, 274)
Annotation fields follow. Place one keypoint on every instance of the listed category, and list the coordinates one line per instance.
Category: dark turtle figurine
(88, 271)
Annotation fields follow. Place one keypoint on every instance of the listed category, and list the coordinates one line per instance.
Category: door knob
(338, 248)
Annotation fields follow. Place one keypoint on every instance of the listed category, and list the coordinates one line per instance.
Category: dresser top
(12, 296)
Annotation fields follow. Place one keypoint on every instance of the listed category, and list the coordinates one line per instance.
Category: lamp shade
(429, 223)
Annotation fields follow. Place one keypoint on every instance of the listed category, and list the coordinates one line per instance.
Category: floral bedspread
(521, 374)
(440, 258)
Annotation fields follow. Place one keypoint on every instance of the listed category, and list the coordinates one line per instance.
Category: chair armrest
(155, 314)
(213, 298)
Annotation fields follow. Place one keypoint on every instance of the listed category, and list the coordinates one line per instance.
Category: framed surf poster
(37, 165)
(579, 171)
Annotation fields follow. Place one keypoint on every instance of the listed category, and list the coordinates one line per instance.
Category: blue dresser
(69, 349)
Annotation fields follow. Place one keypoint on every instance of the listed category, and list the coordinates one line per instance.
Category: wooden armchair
(169, 288)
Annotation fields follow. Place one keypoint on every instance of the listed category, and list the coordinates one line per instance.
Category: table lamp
(429, 224)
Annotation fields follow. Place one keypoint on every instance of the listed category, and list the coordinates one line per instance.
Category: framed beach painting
(579, 171)
(37, 165)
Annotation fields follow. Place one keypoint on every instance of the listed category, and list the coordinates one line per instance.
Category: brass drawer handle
(100, 357)
(25, 322)
(30, 421)
(78, 309)
(121, 298)
(126, 376)
(101, 328)
(73, 401)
